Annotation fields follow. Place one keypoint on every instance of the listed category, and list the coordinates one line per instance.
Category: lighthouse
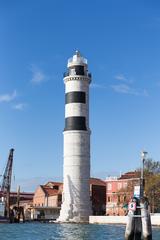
(76, 205)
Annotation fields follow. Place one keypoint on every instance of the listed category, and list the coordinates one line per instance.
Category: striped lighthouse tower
(76, 205)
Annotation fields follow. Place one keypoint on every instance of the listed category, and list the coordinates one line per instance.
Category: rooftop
(53, 183)
(129, 175)
(50, 191)
(97, 181)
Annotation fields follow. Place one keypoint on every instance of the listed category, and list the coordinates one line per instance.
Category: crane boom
(6, 182)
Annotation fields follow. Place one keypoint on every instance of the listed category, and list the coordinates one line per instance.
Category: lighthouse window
(79, 70)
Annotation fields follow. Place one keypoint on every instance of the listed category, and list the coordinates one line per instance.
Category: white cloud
(38, 75)
(95, 85)
(121, 88)
(120, 77)
(8, 97)
(126, 89)
(123, 78)
(20, 106)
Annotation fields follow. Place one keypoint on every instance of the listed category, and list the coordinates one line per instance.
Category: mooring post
(134, 224)
(145, 214)
(139, 222)
(146, 219)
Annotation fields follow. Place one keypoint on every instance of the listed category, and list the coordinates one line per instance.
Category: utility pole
(18, 196)
(142, 180)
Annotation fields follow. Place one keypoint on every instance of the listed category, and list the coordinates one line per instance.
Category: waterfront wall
(155, 219)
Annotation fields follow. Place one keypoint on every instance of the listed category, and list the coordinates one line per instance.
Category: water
(40, 231)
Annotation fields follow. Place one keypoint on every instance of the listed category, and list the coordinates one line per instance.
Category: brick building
(48, 198)
(119, 191)
(47, 201)
(98, 196)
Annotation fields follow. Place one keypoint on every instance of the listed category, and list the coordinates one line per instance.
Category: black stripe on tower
(75, 97)
(75, 123)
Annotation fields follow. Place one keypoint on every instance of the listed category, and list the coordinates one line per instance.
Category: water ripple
(39, 231)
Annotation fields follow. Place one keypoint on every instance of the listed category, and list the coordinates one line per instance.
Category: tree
(151, 166)
(152, 183)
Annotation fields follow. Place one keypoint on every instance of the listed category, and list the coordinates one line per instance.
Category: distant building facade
(119, 191)
(47, 201)
(98, 196)
(24, 196)
(24, 200)
(109, 197)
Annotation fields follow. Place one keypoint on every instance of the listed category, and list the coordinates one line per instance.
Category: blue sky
(120, 39)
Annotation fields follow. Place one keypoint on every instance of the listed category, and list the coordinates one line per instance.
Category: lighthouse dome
(77, 59)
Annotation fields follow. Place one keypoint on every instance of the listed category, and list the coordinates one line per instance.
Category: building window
(119, 186)
(124, 185)
(59, 197)
(109, 185)
(109, 199)
(119, 198)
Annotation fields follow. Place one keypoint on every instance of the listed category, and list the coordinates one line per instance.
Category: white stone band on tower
(76, 206)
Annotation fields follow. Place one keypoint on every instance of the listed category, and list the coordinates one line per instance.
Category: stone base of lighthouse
(76, 206)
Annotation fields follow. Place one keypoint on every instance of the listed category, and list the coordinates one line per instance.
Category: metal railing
(66, 74)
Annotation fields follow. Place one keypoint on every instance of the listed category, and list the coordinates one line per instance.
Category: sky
(120, 39)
